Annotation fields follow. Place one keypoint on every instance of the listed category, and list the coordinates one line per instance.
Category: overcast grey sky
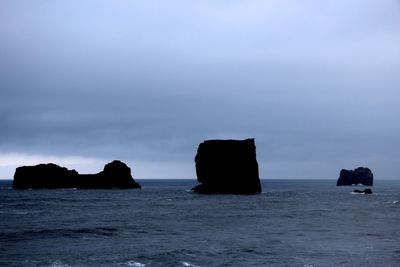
(316, 83)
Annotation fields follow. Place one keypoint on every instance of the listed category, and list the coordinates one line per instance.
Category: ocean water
(292, 223)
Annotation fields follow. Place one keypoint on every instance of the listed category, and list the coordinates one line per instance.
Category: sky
(316, 83)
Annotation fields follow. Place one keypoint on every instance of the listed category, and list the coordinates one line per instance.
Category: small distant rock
(367, 191)
(360, 175)
(116, 174)
(227, 167)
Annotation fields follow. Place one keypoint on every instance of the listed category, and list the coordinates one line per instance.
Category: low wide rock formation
(116, 174)
(227, 167)
(360, 175)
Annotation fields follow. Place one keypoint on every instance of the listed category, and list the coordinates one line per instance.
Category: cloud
(15, 159)
(10, 161)
(147, 81)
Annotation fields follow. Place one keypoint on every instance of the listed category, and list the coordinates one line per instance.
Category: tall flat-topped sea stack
(116, 174)
(360, 175)
(227, 167)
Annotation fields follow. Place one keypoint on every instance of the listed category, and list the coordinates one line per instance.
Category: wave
(188, 264)
(135, 263)
(59, 264)
(360, 193)
(14, 212)
(105, 231)
(60, 232)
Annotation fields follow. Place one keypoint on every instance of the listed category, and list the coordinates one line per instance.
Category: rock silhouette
(227, 167)
(116, 174)
(360, 175)
(366, 191)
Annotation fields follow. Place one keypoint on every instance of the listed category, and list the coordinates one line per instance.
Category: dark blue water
(293, 223)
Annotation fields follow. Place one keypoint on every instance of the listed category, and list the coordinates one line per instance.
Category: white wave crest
(135, 263)
(188, 264)
(59, 264)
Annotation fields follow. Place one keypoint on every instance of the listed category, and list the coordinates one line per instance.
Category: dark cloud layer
(315, 83)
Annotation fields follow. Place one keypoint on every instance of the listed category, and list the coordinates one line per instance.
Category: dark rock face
(227, 167)
(360, 175)
(44, 176)
(115, 175)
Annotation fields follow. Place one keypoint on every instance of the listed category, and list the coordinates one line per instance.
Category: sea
(292, 223)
